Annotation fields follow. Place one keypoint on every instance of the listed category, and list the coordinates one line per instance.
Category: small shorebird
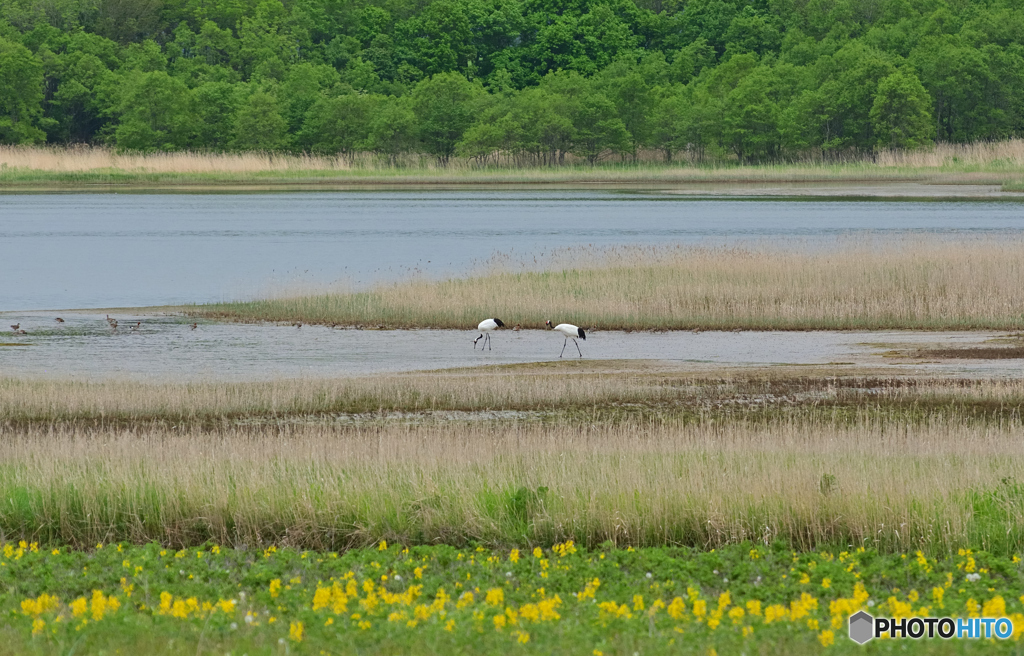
(571, 332)
(59, 320)
(15, 326)
(486, 327)
(297, 324)
(138, 324)
(193, 326)
(516, 328)
(20, 332)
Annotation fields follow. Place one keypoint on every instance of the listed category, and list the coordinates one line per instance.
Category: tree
(445, 105)
(78, 106)
(259, 124)
(900, 114)
(21, 94)
(125, 21)
(597, 128)
(213, 109)
(439, 38)
(392, 130)
(339, 125)
(631, 86)
(750, 126)
(154, 112)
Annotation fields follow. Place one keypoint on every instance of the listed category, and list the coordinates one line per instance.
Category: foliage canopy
(532, 79)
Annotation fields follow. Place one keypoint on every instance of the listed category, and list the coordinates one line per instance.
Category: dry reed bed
(934, 487)
(571, 387)
(1009, 153)
(1001, 160)
(62, 401)
(912, 283)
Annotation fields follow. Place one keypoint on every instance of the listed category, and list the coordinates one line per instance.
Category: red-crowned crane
(486, 327)
(571, 332)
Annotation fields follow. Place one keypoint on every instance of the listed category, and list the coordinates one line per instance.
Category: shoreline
(701, 189)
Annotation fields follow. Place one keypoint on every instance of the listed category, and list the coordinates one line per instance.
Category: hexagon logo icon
(862, 627)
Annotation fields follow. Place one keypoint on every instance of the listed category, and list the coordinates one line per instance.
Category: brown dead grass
(859, 284)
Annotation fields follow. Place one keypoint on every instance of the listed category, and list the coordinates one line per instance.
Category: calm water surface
(117, 250)
(167, 349)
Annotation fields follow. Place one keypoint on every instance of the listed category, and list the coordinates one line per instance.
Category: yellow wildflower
(994, 607)
(295, 631)
(79, 606)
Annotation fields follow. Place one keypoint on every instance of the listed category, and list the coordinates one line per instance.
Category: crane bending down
(486, 327)
(571, 332)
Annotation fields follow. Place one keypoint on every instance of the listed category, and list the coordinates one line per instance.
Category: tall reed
(1001, 161)
(912, 283)
(936, 487)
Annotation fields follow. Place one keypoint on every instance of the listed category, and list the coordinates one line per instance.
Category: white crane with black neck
(486, 327)
(571, 332)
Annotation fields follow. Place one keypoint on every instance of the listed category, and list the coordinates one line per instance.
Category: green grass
(748, 597)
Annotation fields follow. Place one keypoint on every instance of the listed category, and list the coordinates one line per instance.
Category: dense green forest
(533, 80)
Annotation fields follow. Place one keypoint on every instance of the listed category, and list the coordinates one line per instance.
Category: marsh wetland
(785, 410)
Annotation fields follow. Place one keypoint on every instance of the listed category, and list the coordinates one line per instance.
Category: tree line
(529, 80)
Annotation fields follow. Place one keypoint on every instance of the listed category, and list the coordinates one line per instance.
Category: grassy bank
(645, 459)
(41, 168)
(560, 598)
(858, 284)
(934, 486)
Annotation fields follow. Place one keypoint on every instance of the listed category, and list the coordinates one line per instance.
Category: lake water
(121, 250)
(166, 348)
(125, 250)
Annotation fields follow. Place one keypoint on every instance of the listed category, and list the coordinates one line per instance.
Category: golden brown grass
(989, 162)
(84, 158)
(640, 456)
(587, 390)
(1007, 154)
(859, 284)
(807, 483)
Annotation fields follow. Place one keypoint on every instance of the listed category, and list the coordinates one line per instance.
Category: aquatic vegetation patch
(909, 283)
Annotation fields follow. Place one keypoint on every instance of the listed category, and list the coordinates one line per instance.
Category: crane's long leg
(563, 346)
(577, 346)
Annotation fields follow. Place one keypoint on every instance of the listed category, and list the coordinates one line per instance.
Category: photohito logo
(864, 627)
